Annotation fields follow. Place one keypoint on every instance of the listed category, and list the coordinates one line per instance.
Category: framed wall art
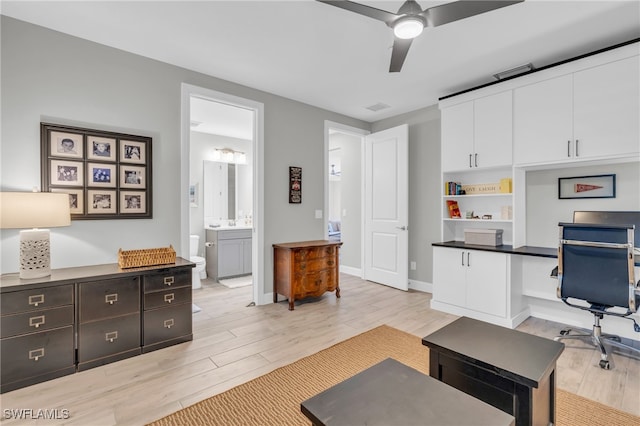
(106, 174)
(295, 185)
(599, 186)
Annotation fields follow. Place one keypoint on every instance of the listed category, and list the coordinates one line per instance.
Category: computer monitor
(611, 218)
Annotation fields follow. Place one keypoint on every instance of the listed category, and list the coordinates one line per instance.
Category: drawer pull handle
(168, 280)
(36, 321)
(36, 354)
(111, 298)
(110, 337)
(36, 299)
(169, 297)
(330, 263)
(168, 323)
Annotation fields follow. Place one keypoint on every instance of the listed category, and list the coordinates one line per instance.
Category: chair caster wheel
(605, 365)
(564, 332)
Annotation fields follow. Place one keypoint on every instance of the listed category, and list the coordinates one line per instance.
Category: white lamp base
(35, 254)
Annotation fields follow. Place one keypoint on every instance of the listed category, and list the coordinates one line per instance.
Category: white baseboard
(351, 270)
(421, 286)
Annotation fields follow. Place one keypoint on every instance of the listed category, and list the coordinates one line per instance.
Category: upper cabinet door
(543, 121)
(457, 137)
(607, 110)
(493, 130)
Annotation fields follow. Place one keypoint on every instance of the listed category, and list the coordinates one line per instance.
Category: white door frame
(353, 131)
(257, 251)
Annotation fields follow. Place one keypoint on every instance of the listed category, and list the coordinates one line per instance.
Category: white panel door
(487, 282)
(386, 207)
(450, 276)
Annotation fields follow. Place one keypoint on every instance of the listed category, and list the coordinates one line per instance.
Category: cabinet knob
(36, 321)
(169, 297)
(111, 298)
(36, 354)
(169, 323)
(168, 280)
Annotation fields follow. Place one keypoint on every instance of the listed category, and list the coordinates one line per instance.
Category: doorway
(235, 144)
(374, 234)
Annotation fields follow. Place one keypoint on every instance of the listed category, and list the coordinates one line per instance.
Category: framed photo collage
(107, 175)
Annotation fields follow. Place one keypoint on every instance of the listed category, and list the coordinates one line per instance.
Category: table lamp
(34, 210)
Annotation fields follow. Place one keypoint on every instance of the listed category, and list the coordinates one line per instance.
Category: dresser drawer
(315, 283)
(167, 323)
(29, 300)
(317, 264)
(314, 253)
(171, 297)
(36, 354)
(167, 281)
(31, 322)
(109, 298)
(108, 337)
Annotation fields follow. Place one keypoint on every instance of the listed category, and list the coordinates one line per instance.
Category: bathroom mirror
(219, 191)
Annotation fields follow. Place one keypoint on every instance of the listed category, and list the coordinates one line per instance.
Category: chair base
(599, 340)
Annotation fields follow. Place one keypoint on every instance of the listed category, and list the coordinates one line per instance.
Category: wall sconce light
(228, 155)
(34, 210)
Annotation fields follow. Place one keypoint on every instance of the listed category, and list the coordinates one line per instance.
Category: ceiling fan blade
(454, 11)
(399, 53)
(371, 12)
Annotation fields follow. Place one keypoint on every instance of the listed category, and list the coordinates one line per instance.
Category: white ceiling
(335, 59)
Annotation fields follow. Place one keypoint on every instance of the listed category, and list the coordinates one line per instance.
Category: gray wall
(50, 76)
(424, 185)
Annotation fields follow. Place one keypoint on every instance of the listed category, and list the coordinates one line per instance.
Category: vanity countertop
(228, 228)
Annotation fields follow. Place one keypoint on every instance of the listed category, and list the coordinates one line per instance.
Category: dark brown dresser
(80, 318)
(305, 269)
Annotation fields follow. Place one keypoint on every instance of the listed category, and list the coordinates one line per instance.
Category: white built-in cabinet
(577, 113)
(584, 115)
(472, 279)
(478, 133)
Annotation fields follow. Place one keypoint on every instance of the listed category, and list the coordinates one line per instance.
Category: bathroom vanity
(228, 251)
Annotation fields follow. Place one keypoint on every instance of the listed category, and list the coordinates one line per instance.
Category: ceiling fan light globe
(408, 28)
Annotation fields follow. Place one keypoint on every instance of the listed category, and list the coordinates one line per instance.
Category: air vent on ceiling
(377, 107)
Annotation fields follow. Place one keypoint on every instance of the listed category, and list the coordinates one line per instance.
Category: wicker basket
(146, 257)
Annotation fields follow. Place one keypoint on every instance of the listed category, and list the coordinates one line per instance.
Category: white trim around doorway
(187, 91)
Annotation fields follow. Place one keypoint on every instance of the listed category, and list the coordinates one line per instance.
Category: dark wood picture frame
(70, 167)
(596, 186)
(295, 185)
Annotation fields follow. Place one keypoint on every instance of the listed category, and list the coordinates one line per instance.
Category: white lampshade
(409, 27)
(34, 210)
(19, 210)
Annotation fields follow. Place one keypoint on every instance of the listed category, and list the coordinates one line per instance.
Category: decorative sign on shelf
(107, 175)
(295, 185)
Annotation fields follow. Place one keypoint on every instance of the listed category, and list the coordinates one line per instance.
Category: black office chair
(596, 265)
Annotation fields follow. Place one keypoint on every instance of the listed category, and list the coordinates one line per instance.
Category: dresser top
(12, 281)
(307, 244)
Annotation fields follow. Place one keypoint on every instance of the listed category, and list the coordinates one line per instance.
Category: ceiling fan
(410, 20)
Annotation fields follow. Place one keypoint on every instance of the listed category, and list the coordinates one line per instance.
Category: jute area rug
(274, 399)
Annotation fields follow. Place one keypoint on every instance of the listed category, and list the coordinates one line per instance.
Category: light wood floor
(234, 343)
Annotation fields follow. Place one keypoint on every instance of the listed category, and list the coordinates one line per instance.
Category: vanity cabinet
(471, 279)
(588, 114)
(229, 253)
(84, 317)
(37, 332)
(305, 269)
(478, 133)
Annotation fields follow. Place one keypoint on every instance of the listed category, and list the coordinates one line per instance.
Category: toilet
(200, 271)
